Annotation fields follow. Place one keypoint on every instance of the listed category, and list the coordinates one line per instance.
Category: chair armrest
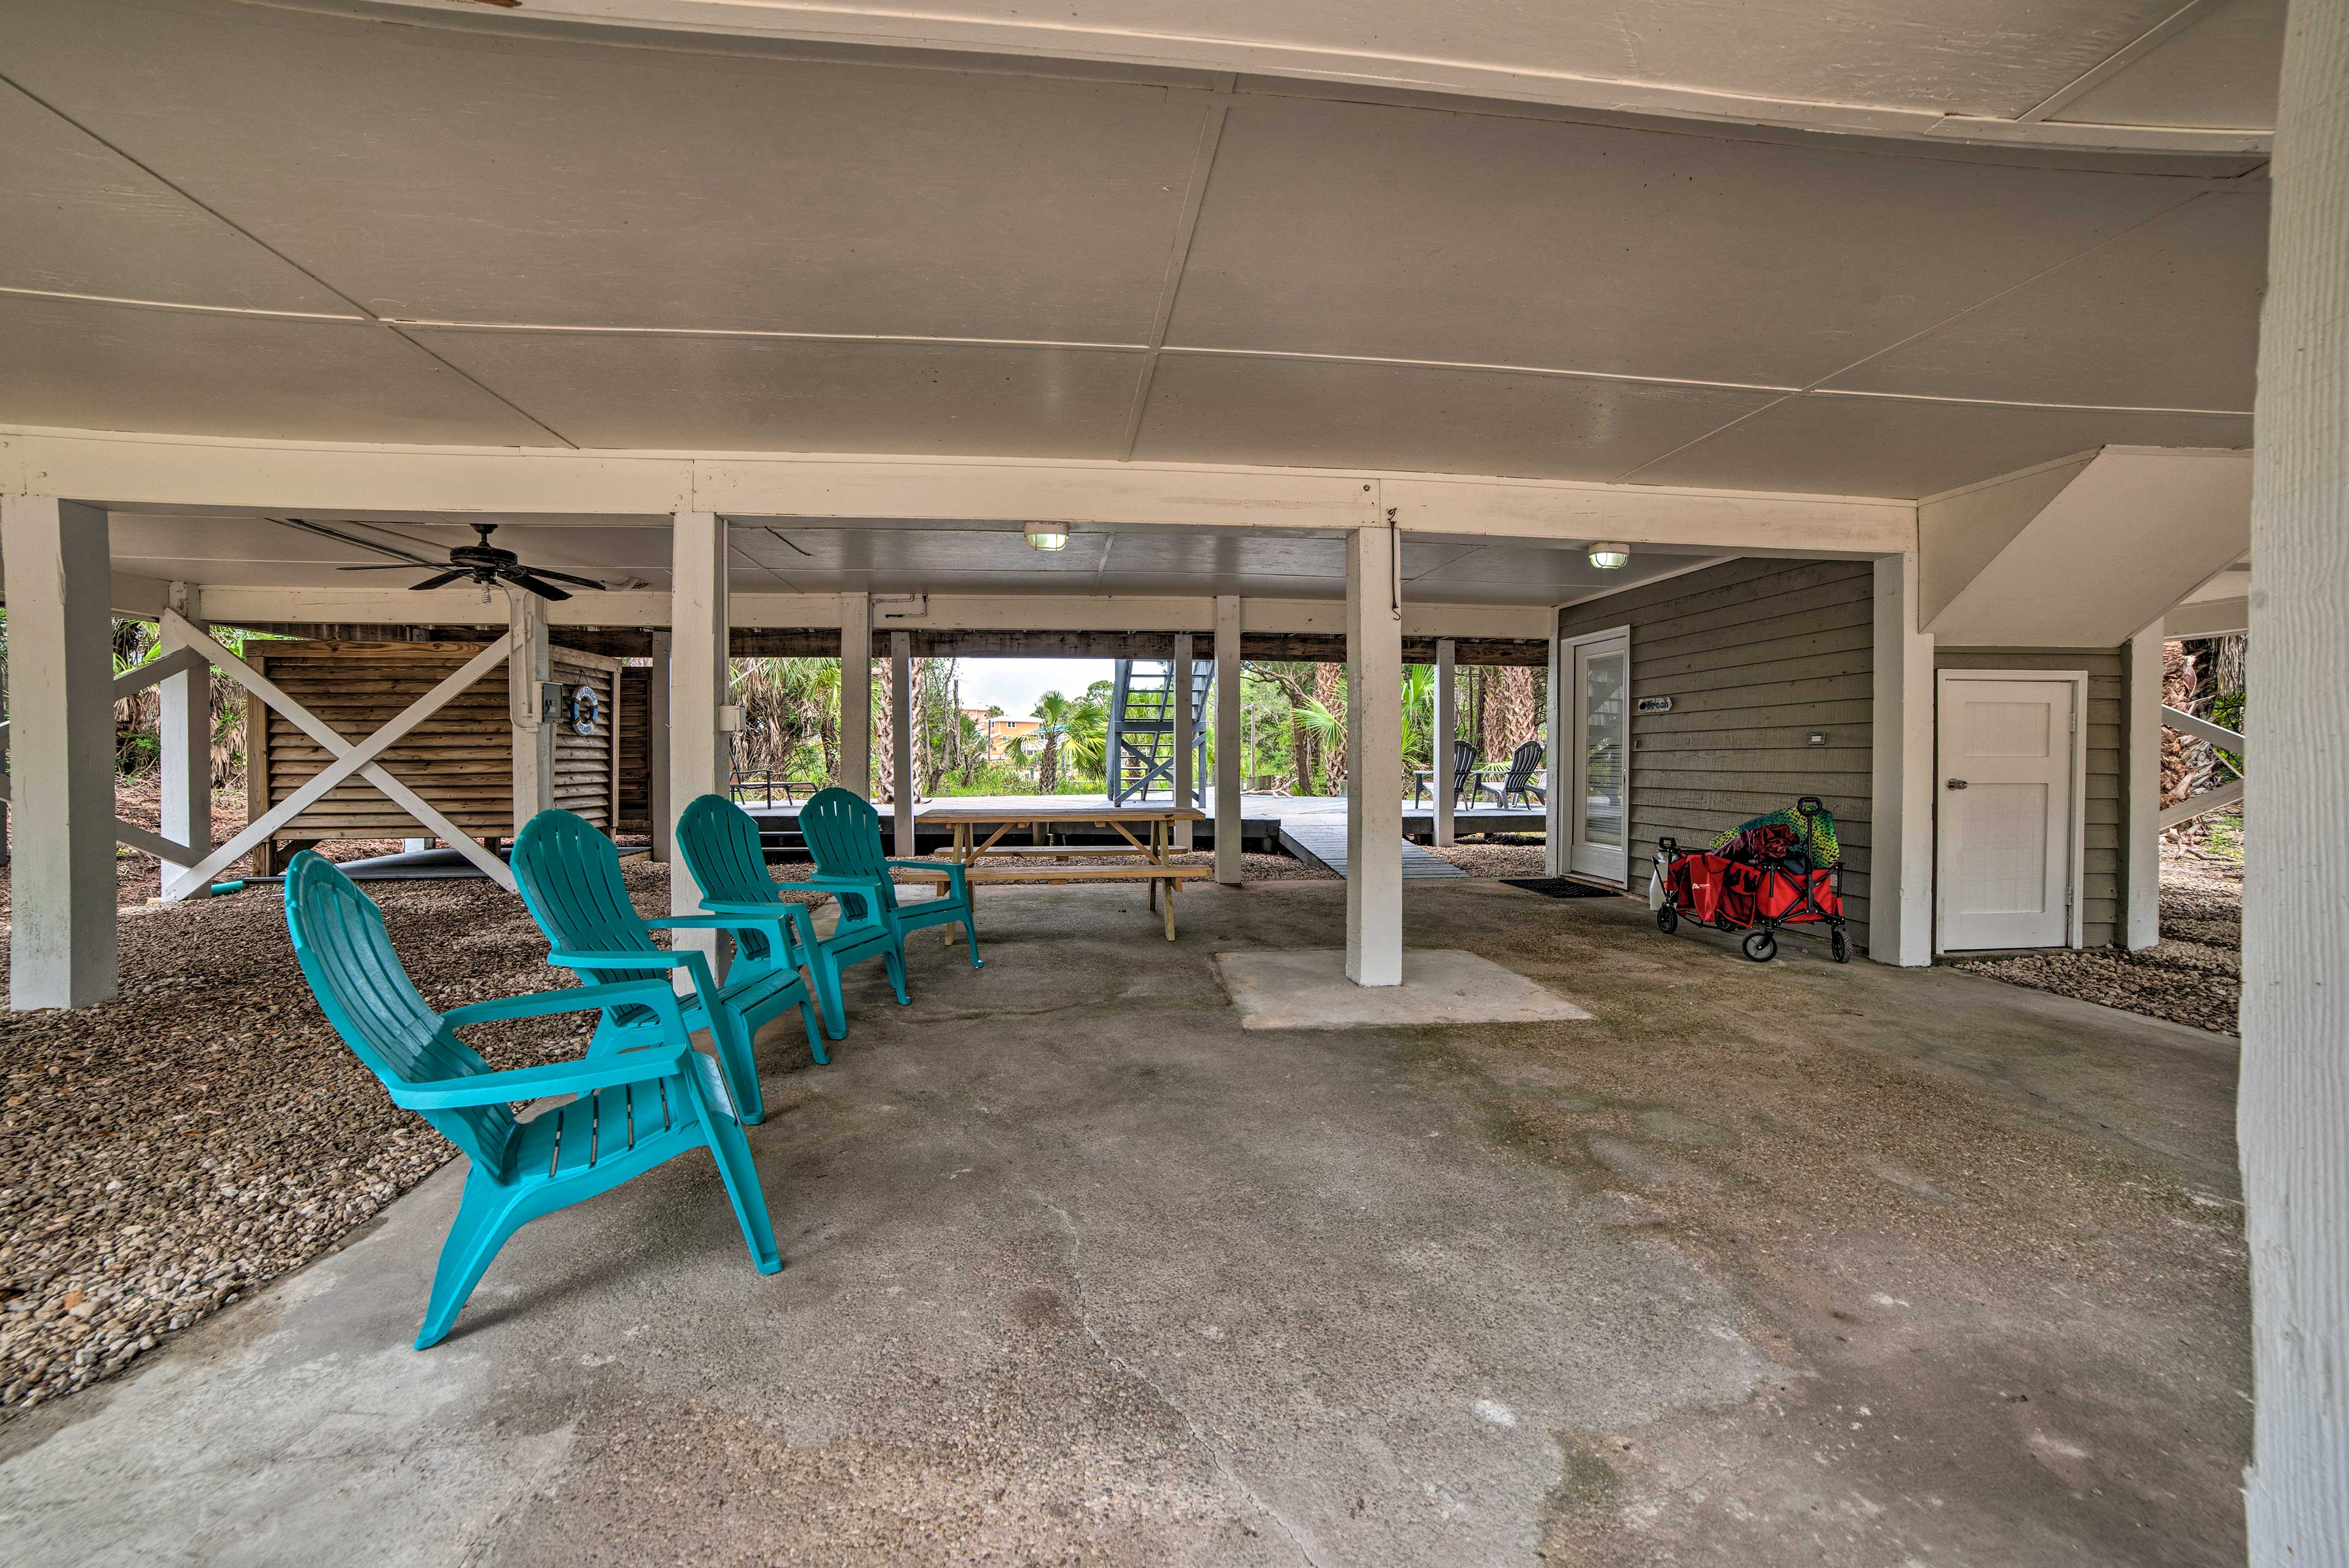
(768, 914)
(796, 916)
(575, 999)
(954, 870)
(534, 1083)
(648, 958)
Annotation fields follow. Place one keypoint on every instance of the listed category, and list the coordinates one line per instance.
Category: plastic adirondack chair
(636, 1108)
(720, 841)
(569, 875)
(844, 834)
(1519, 781)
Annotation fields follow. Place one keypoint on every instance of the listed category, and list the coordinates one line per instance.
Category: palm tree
(1052, 710)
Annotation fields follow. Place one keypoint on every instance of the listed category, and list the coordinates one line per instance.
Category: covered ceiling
(453, 226)
(902, 556)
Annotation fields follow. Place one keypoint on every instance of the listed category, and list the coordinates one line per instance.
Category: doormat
(1562, 887)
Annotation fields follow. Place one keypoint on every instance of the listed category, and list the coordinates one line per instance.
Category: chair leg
(739, 1065)
(970, 936)
(734, 1167)
(897, 969)
(485, 1218)
(809, 1015)
(824, 981)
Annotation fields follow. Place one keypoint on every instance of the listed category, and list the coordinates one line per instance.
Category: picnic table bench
(1022, 863)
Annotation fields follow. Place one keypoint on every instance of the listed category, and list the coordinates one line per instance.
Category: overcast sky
(1014, 685)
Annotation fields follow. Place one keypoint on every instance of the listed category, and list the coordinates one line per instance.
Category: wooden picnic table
(990, 859)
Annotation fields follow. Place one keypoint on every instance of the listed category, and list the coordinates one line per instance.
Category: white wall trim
(1565, 762)
(2141, 787)
(2076, 926)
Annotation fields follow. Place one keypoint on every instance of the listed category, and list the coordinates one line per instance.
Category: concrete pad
(1309, 990)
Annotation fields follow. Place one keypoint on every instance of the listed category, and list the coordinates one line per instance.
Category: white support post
(62, 950)
(664, 817)
(1556, 849)
(1231, 743)
(901, 742)
(1447, 721)
(856, 694)
(1373, 759)
(1179, 682)
(2141, 917)
(2292, 1116)
(698, 686)
(1901, 808)
(528, 664)
(185, 723)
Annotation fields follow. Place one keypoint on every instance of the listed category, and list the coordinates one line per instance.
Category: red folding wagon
(1785, 869)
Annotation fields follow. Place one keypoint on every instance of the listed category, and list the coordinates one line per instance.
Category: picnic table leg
(1170, 908)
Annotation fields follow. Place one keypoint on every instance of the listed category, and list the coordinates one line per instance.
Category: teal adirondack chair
(569, 875)
(844, 834)
(636, 1108)
(719, 842)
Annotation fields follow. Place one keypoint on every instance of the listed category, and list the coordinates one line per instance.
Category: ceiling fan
(481, 562)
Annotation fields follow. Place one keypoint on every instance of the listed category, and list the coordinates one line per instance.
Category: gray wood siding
(1756, 654)
(2106, 860)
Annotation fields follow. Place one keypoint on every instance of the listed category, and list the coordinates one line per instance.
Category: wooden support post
(1231, 743)
(663, 814)
(528, 666)
(185, 723)
(1447, 724)
(1557, 830)
(2293, 1119)
(856, 694)
(1373, 759)
(1900, 806)
(697, 684)
(62, 948)
(901, 742)
(1179, 682)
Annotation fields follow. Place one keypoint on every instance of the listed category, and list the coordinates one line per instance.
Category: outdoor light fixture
(1608, 556)
(1048, 536)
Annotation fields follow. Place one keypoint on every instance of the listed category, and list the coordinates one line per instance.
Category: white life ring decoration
(587, 708)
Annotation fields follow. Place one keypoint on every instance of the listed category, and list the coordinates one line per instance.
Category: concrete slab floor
(1767, 1265)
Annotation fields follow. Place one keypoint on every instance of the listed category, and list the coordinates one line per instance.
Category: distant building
(1002, 734)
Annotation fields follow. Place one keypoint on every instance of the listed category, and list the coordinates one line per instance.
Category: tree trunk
(1328, 691)
(1048, 767)
(883, 743)
(1509, 711)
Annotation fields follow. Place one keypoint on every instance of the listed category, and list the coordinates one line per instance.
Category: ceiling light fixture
(1608, 556)
(1048, 536)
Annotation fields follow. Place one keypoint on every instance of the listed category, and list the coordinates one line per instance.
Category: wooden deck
(1321, 842)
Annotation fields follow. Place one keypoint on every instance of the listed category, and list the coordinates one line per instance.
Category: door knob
(1957, 783)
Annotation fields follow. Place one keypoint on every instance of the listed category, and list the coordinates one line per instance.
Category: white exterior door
(2005, 827)
(1598, 752)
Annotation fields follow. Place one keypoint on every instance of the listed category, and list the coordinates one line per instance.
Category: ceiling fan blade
(553, 576)
(522, 578)
(387, 566)
(442, 581)
(340, 537)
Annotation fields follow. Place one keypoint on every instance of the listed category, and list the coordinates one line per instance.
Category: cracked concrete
(1884, 1264)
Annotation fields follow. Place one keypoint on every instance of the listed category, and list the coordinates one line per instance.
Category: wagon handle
(1810, 805)
(1668, 846)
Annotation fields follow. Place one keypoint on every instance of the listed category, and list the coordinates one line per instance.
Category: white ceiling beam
(230, 605)
(131, 470)
(1324, 53)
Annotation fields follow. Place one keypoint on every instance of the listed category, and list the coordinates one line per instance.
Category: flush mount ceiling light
(1608, 556)
(1048, 536)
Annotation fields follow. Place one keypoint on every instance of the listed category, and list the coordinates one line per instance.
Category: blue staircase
(1142, 731)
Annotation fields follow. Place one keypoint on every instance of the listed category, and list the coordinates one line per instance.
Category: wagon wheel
(1761, 946)
(1722, 922)
(1668, 920)
(1839, 945)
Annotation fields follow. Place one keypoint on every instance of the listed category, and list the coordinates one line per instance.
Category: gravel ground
(1505, 858)
(205, 1133)
(2193, 976)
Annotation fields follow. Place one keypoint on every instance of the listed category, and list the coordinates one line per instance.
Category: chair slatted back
(1522, 763)
(1463, 763)
(569, 875)
(347, 956)
(843, 834)
(719, 843)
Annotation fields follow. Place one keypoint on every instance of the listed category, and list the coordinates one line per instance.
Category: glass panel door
(1596, 811)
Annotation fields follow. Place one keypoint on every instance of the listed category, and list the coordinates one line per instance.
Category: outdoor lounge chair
(569, 875)
(844, 834)
(1518, 781)
(719, 842)
(638, 1106)
(1464, 766)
